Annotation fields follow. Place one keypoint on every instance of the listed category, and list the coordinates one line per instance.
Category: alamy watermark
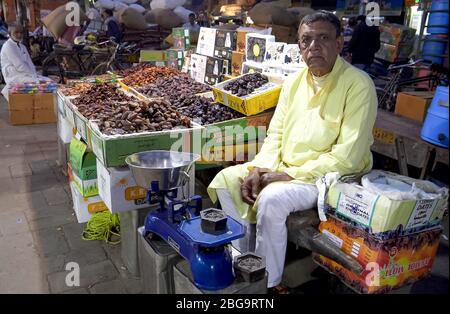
(73, 17)
(73, 277)
(372, 14)
(221, 144)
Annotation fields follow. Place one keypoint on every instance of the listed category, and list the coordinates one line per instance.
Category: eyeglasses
(306, 41)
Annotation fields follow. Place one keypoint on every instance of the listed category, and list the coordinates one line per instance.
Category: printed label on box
(357, 204)
(97, 207)
(198, 67)
(421, 213)
(206, 41)
(135, 193)
(81, 127)
(69, 115)
(61, 106)
(97, 147)
(334, 238)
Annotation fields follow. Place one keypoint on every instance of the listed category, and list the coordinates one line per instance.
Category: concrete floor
(39, 233)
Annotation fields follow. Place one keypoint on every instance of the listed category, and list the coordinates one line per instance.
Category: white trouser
(275, 204)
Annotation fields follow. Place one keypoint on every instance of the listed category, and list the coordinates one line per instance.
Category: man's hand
(250, 186)
(270, 177)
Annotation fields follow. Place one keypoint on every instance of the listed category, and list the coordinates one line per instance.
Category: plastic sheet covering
(397, 187)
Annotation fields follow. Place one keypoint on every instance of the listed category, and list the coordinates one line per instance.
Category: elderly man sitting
(323, 123)
(15, 60)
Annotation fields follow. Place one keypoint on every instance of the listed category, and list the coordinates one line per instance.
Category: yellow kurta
(313, 134)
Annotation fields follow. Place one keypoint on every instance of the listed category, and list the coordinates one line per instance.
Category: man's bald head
(16, 31)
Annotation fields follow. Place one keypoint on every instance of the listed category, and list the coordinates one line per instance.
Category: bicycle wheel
(100, 69)
(52, 69)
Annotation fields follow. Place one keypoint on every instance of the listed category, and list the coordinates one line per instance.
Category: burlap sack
(266, 13)
(132, 19)
(55, 22)
(300, 13)
(165, 18)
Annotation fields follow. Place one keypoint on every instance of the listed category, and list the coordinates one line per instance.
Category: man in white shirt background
(16, 63)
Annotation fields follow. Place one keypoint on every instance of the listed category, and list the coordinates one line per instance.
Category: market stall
(210, 97)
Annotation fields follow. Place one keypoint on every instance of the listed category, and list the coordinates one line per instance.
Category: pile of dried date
(76, 89)
(175, 89)
(142, 116)
(203, 111)
(246, 84)
(99, 99)
(136, 68)
(148, 75)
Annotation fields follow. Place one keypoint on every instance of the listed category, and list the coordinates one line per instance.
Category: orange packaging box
(388, 264)
(21, 109)
(413, 105)
(237, 58)
(32, 108)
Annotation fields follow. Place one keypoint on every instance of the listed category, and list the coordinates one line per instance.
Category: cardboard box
(84, 207)
(84, 168)
(175, 64)
(206, 41)
(182, 44)
(45, 101)
(241, 41)
(118, 189)
(413, 105)
(152, 55)
(256, 46)
(175, 54)
(180, 32)
(32, 108)
(394, 53)
(387, 264)
(156, 63)
(395, 34)
(215, 70)
(21, 109)
(241, 137)
(175, 58)
(252, 67)
(65, 130)
(292, 56)
(275, 53)
(69, 111)
(197, 67)
(60, 100)
(225, 44)
(378, 214)
(112, 150)
(237, 59)
(263, 98)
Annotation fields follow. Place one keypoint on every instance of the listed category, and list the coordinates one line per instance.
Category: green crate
(153, 55)
(82, 160)
(180, 32)
(175, 54)
(231, 132)
(112, 150)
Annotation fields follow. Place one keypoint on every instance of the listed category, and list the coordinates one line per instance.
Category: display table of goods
(152, 108)
(195, 100)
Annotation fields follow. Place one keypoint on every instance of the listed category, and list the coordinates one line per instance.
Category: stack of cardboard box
(214, 52)
(82, 171)
(394, 239)
(32, 108)
(397, 42)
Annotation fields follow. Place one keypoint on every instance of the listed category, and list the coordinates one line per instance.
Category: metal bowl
(169, 168)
